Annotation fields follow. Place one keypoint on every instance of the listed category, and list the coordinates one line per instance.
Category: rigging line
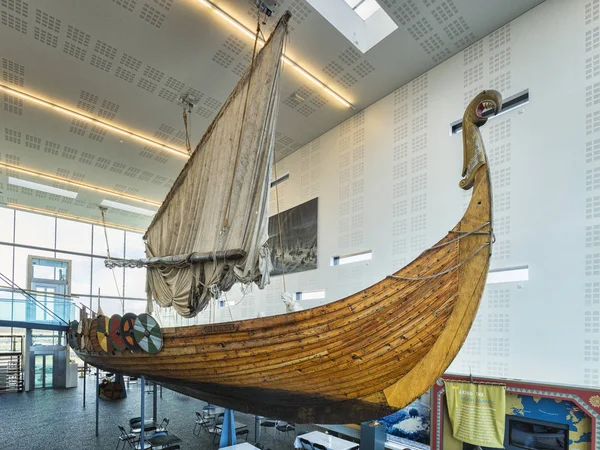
(102, 211)
(280, 230)
(463, 235)
(447, 271)
(188, 145)
(239, 146)
(27, 294)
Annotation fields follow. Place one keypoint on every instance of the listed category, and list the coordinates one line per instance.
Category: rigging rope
(239, 146)
(188, 145)
(439, 274)
(103, 210)
(280, 229)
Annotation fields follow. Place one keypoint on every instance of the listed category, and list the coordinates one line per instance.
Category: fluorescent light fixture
(508, 275)
(72, 217)
(124, 207)
(311, 295)
(41, 187)
(352, 258)
(249, 33)
(96, 122)
(90, 187)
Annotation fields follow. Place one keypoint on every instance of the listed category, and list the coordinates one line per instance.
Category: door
(43, 371)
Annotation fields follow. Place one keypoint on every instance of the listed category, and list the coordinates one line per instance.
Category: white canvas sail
(220, 199)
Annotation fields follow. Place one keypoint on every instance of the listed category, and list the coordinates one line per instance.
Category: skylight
(364, 8)
(363, 22)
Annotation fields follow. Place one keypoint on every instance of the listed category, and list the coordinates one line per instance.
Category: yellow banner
(477, 412)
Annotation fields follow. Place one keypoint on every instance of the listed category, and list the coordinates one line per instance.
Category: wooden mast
(355, 359)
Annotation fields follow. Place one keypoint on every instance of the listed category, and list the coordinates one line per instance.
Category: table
(238, 426)
(164, 440)
(149, 425)
(330, 442)
(242, 446)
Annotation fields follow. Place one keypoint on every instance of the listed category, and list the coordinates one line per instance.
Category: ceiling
(128, 62)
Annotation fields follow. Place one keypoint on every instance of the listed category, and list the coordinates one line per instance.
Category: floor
(54, 419)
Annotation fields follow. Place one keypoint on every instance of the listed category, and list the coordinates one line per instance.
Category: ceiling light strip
(63, 109)
(72, 217)
(287, 60)
(78, 184)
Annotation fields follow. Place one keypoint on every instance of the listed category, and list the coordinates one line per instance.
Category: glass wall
(24, 234)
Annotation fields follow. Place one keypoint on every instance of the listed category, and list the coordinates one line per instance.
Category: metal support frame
(97, 397)
(143, 415)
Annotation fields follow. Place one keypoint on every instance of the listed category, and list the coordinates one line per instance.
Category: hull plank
(359, 358)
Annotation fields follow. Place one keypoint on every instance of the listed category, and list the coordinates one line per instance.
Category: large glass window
(134, 245)
(6, 263)
(81, 267)
(21, 267)
(7, 217)
(73, 236)
(116, 242)
(103, 278)
(135, 282)
(36, 230)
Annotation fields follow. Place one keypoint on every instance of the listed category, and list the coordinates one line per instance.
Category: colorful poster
(411, 423)
(477, 412)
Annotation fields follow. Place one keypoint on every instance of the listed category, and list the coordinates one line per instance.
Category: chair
(220, 419)
(269, 423)
(201, 423)
(158, 434)
(284, 427)
(317, 446)
(163, 425)
(244, 433)
(306, 445)
(126, 438)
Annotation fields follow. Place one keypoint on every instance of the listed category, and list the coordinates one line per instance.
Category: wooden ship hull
(359, 358)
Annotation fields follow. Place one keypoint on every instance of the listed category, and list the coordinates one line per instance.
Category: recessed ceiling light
(41, 187)
(125, 207)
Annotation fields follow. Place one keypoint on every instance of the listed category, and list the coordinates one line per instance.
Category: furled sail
(220, 200)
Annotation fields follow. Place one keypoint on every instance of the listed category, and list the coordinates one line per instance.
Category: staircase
(11, 372)
(11, 364)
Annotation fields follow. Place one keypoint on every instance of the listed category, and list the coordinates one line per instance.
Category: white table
(330, 442)
(242, 446)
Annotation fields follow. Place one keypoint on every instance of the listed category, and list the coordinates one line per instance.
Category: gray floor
(56, 420)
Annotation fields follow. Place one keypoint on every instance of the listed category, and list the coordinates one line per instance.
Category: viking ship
(355, 359)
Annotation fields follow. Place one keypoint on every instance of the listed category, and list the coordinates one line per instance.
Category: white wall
(387, 180)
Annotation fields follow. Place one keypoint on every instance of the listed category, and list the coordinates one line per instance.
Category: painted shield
(87, 323)
(127, 323)
(147, 333)
(114, 334)
(73, 342)
(80, 336)
(102, 331)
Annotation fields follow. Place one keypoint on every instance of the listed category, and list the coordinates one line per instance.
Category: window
(364, 8)
(352, 258)
(66, 230)
(34, 229)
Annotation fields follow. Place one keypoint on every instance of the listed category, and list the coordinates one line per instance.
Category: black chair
(284, 427)
(126, 438)
(317, 446)
(244, 433)
(163, 425)
(269, 423)
(306, 445)
(200, 424)
(220, 419)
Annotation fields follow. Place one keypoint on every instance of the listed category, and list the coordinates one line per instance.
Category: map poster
(477, 412)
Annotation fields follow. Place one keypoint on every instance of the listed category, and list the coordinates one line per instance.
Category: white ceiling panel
(129, 61)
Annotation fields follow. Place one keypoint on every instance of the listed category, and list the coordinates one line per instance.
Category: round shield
(147, 333)
(114, 334)
(102, 331)
(72, 335)
(127, 323)
(80, 336)
(94, 335)
(86, 334)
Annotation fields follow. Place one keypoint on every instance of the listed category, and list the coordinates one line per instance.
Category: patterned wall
(387, 182)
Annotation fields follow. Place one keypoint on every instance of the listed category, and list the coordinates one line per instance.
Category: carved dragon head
(484, 105)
